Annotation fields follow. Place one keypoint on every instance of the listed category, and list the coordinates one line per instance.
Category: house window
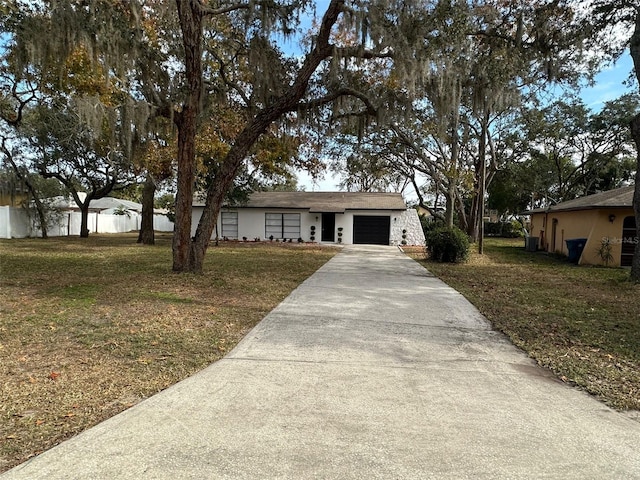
(230, 224)
(282, 225)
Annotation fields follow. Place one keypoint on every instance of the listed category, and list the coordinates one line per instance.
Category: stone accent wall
(409, 221)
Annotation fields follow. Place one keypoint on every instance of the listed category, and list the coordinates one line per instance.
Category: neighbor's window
(230, 224)
(282, 225)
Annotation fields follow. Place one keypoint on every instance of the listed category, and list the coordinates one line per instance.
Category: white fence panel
(5, 222)
(162, 224)
(20, 224)
(55, 229)
(74, 220)
(109, 223)
(15, 223)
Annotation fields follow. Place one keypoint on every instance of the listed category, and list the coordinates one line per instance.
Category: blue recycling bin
(575, 246)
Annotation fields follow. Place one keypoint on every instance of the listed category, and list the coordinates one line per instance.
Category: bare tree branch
(360, 52)
(371, 109)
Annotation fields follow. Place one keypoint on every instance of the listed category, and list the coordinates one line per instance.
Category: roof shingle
(318, 202)
(618, 198)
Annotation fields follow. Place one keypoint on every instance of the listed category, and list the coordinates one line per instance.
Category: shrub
(604, 251)
(429, 224)
(448, 245)
(511, 229)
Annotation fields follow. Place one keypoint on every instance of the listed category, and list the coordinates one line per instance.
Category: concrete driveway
(371, 369)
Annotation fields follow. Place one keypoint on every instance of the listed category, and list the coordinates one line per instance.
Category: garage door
(371, 230)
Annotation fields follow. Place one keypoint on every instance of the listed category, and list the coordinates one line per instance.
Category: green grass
(581, 322)
(89, 327)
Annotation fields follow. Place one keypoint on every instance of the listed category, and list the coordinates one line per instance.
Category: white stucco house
(323, 217)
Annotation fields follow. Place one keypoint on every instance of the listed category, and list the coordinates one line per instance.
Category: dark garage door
(371, 230)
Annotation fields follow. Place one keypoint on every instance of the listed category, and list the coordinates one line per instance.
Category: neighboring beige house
(606, 216)
(12, 195)
(323, 217)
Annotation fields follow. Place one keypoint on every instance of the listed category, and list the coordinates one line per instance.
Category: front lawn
(581, 322)
(89, 327)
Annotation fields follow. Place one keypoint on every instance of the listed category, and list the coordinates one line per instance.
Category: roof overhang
(325, 209)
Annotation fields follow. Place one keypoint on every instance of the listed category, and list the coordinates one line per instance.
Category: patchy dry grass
(89, 327)
(583, 323)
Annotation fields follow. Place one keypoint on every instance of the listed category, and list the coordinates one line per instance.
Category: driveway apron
(371, 369)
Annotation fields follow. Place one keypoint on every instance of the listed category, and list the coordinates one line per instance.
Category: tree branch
(342, 92)
(207, 11)
(359, 52)
(15, 120)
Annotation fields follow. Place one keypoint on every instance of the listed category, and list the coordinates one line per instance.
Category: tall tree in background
(486, 58)
(289, 92)
(634, 47)
(14, 100)
(39, 203)
(66, 150)
(155, 160)
(82, 123)
(584, 152)
(134, 46)
(611, 20)
(185, 59)
(562, 151)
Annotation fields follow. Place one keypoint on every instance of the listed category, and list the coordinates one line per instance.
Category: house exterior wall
(345, 221)
(409, 221)
(251, 224)
(594, 225)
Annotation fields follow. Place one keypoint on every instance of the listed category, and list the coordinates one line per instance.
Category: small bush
(511, 229)
(429, 224)
(448, 245)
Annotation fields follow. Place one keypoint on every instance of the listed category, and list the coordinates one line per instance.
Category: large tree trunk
(147, 234)
(482, 183)
(635, 264)
(223, 181)
(186, 122)
(84, 222)
(288, 102)
(42, 218)
(634, 48)
(450, 203)
(451, 194)
(472, 225)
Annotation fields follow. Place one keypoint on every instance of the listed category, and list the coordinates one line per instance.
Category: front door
(328, 227)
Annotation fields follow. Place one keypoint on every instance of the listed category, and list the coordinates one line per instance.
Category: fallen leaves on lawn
(71, 364)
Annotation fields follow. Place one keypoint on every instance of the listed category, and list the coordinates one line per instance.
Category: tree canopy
(423, 92)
